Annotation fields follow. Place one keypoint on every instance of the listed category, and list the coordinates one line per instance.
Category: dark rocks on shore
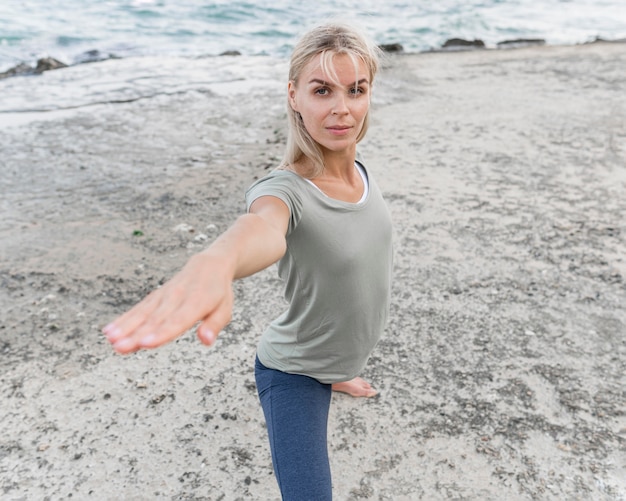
(20, 69)
(604, 40)
(43, 64)
(231, 53)
(520, 42)
(93, 56)
(391, 47)
(50, 63)
(461, 44)
(47, 64)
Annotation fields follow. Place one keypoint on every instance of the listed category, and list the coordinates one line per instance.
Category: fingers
(175, 313)
(132, 319)
(149, 324)
(166, 314)
(140, 325)
(212, 325)
(200, 292)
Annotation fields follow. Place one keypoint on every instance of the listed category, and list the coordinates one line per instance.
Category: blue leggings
(296, 413)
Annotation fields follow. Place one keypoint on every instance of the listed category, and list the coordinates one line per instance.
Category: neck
(336, 165)
(339, 164)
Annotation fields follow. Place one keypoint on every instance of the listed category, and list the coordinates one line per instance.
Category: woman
(320, 215)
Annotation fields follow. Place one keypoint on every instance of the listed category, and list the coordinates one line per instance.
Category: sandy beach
(501, 372)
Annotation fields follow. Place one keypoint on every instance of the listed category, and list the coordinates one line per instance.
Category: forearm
(250, 245)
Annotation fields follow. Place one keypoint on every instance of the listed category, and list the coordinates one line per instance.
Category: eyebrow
(324, 82)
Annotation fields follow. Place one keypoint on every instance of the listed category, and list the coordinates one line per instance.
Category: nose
(340, 106)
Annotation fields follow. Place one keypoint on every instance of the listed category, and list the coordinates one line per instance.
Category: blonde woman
(321, 216)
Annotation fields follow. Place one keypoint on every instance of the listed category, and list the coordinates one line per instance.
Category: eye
(355, 91)
(322, 91)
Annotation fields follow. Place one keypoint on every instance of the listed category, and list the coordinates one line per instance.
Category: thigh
(296, 413)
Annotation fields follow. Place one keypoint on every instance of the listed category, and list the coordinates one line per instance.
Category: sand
(501, 372)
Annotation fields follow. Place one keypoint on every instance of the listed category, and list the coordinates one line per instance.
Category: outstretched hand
(203, 290)
(200, 292)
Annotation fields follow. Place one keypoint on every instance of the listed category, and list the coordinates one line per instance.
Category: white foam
(45, 96)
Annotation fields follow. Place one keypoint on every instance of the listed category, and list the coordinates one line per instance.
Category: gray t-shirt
(337, 273)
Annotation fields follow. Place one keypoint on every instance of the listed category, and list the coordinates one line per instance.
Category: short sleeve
(282, 185)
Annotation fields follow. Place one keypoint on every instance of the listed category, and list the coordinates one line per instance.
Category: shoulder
(282, 184)
(276, 183)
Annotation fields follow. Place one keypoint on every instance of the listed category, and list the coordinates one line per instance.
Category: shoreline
(50, 63)
(501, 370)
(15, 117)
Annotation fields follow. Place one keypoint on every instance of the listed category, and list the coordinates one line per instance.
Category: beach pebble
(46, 299)
(184, 228)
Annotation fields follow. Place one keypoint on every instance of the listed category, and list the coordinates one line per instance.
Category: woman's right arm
(202, 290)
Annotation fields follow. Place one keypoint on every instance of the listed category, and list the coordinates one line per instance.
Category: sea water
(158, 48)
(75, 30)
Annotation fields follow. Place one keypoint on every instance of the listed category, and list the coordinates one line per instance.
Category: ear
(291, 95)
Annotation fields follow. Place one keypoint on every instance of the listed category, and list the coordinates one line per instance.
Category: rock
(520, 42)
(459, 43)
(47, 64)
(184, 228)
(603, 40)
(43, 64)
(92, 56)
(19, 70)
(231, 53)
(392, 47)
(158, 399)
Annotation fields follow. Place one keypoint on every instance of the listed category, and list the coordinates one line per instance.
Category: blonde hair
(327, 40)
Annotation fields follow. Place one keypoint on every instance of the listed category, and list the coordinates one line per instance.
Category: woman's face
(333, 109)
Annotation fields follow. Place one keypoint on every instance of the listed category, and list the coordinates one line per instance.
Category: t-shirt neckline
(366, 186)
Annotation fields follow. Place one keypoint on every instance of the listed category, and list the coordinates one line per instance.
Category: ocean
(158, 48)
(73, 31)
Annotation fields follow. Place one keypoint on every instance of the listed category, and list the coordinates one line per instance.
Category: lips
(339, 130)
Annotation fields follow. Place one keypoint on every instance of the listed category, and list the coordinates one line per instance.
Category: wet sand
(501, 373)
